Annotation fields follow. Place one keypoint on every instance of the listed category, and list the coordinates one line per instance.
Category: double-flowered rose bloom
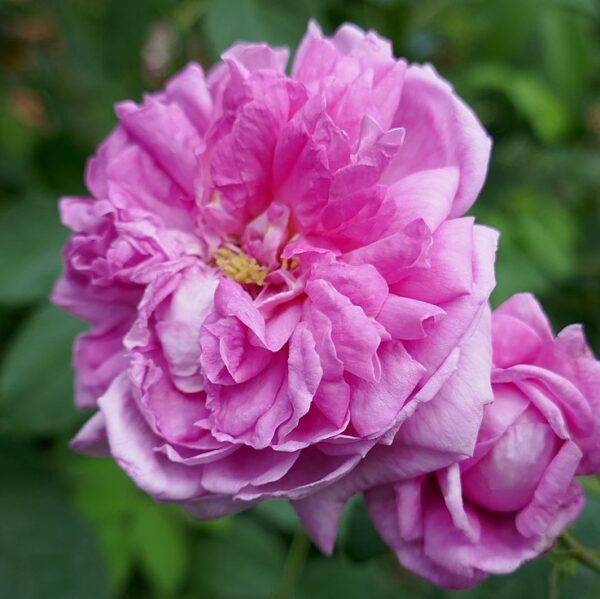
(286, 300)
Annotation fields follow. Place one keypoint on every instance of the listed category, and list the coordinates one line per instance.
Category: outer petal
(420, 449)
(375, 407)
(167, 134)
(521, 330)
(450, 274)
(451, 421)
(128, 175)
(572, 357)
(92, 439)
(441, 131)
(384, 507)
(133, 444)
(557, 500)
(98, 358)
(188, 90)
(355, 70)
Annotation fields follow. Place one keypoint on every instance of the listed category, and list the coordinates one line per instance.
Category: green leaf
(36, 381)
(538, 245)
(338, 577)
(535, 100)
(132, 529)
(587, 528)
(506, 26)
(530, 580)
(102, 490)
(279, 513)
(361, 541)
(162, 548)
(245, 561)
(577, 579)
(278, 22)
(585, 584)
(108, 500)
(11, 318)
(591, 485)
(30, 241)
(16, 138)
(45, 550)
(568, 52)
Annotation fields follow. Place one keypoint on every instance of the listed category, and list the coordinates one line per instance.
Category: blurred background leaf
(243, 561)
(36, 381)
(162, 547)
(282, 23)
(45, 549)
(29, 250)
(533, 99)
(72, 526)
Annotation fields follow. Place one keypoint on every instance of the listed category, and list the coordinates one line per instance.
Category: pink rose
(277, 273)
(508, 502)
(103, 280)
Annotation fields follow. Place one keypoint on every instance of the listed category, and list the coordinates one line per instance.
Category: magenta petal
(320, 521)
(237, 409)
(246, 467)
(557, 500)
(525, 308)
(383, 504)
(585, 369)
(153, 125)
(355, 337)
(308, 152)
(91, 438)
(375, 406)
(406, 318)
(515, 342)
(252, 57)
(441, 131)
(451, 421)
(216, 507)
(98, 358)
(133, 445)
(433, 349)
(451, 272)
(362, 285)
(505, 479)
(393, 256)
(188, 90)
(304, 374)
(451, 488)
(426, 194)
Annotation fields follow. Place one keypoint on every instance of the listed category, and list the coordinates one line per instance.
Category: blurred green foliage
(77, 527)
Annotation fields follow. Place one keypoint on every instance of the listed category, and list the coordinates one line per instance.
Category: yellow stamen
(240, 268)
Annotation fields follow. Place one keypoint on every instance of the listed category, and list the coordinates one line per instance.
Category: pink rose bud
(511, 500)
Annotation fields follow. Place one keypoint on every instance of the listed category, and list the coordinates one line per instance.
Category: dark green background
(73, 527)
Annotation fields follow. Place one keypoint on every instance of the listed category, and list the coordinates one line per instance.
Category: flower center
(239, 267)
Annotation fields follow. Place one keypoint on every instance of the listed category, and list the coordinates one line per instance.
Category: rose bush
(277, 273)
(511, 499)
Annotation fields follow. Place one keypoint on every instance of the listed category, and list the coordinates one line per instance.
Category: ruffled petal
(441, 131)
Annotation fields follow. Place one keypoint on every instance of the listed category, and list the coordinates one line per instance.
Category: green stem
(582, 554)
(294, 564)
(554, 583)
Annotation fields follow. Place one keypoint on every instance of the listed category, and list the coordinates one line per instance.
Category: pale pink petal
(441, 131)
(132, 445)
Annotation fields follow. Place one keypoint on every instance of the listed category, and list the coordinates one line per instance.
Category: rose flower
(273, 267)
(508, 502)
